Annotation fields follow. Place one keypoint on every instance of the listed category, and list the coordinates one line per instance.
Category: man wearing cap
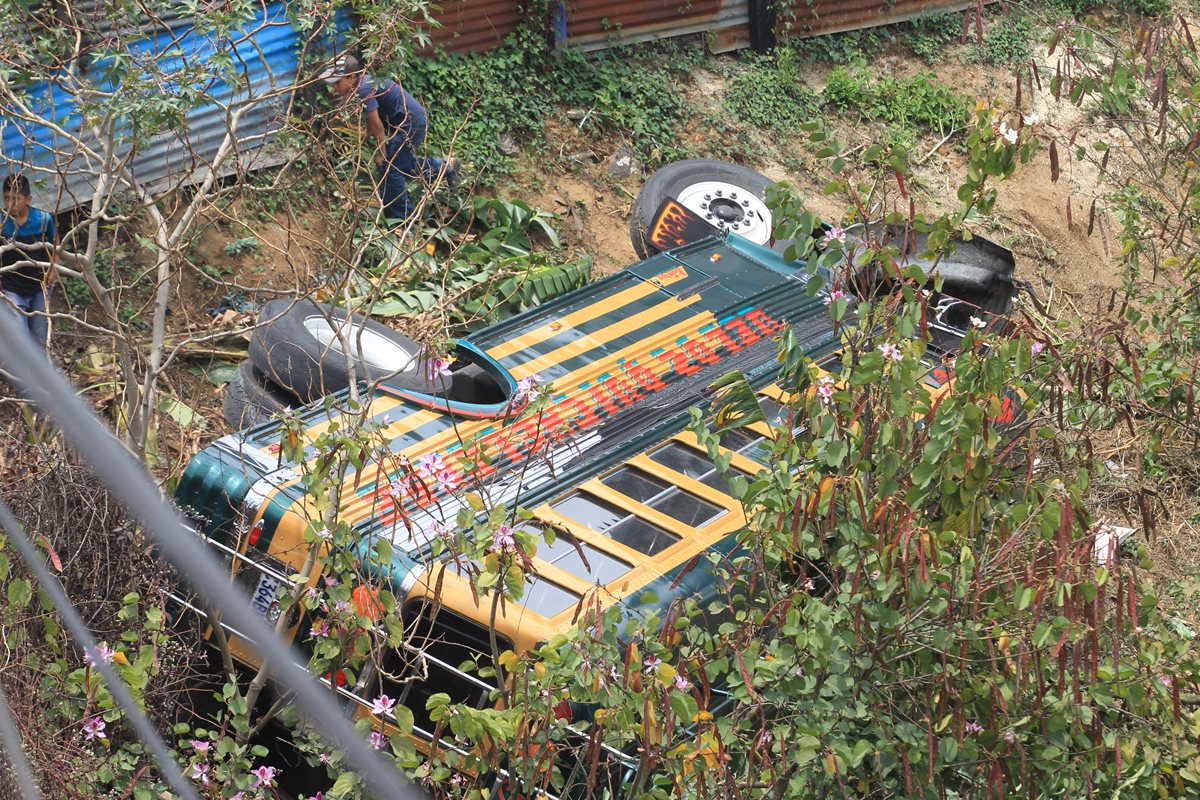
(398, 124)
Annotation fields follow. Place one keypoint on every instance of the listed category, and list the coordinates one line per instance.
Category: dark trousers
(402, 165)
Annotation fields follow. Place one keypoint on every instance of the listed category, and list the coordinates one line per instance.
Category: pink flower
(1036, 348)
(682, 683)
(382, 705)
(331, 580)
(430, 464)
(1165, 680)
(825, 389)
(1010, 736)
(836, 294)
(502, 540)
(325, 758)
(201, 746)
(446, 480)
(376, 740)
(651, 663)
(263, 777)
(834, 234)
(973, 727)
(200, 773)
(320, 629)
(527, 388)
(438, 367)
(891, 351)
(441, 530)
(93, 728)
(105, 652)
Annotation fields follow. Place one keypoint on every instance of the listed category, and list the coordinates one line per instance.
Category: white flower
(1007, 133)
(1033, 118)
(976, 322)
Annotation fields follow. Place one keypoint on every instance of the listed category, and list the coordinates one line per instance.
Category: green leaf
(216, 372)
(345, 783)
(19, 592)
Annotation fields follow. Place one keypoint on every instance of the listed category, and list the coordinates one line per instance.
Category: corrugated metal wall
(267, 62)
(472, 26)
(478, 25)
(815, 17)
(596, 24)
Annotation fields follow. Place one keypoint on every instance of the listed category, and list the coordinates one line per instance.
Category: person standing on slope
(397, 123)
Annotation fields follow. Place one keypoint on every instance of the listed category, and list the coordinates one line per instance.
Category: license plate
(265, 597)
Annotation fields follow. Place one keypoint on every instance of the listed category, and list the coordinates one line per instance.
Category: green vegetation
(246, 244)
(919, 101)
(513, 89)
(506, 257)
(769, 94)
(930, 36)
(1008, 38)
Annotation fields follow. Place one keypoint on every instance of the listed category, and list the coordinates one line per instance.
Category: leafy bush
(512, 89)
(495, 267)
(1008, 40)
(769, 94)
(920, 101)
(929, 36)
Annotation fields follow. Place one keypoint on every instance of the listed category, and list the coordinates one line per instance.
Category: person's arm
(375, 129)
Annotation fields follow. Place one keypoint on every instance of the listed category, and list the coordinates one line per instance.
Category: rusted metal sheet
(472, 26)
(597, 24)
(732, 28)
(814, 17)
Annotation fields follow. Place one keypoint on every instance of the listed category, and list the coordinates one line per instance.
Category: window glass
(591, 511)
(777, 414)
(547, 598)
(635, 483)
(683, 459)
(686, 507)
(611, 521)
(832, 365)
(748, 443)
(645, 537)
(662, 496)
(565, 554)
(694, 464)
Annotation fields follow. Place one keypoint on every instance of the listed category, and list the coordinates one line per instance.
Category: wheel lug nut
(708, 215)
(733, 195)
(718, 192)
(746, 203)
(704, 205)
(708, 197)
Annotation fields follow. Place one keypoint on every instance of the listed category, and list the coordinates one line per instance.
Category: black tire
(685, 181)
(296, 348)
(251, 398)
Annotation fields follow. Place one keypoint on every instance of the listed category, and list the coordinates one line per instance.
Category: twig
(938, 146)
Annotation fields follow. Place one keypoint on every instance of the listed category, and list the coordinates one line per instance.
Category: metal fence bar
(10, 738)
(128, 480)
(78, 628)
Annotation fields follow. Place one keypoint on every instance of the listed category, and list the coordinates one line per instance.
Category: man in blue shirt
(398, 124)
(28, 272)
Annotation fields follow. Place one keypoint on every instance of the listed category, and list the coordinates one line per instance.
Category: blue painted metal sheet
(265, 64)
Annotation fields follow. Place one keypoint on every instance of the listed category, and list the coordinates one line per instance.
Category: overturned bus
(630, 495)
